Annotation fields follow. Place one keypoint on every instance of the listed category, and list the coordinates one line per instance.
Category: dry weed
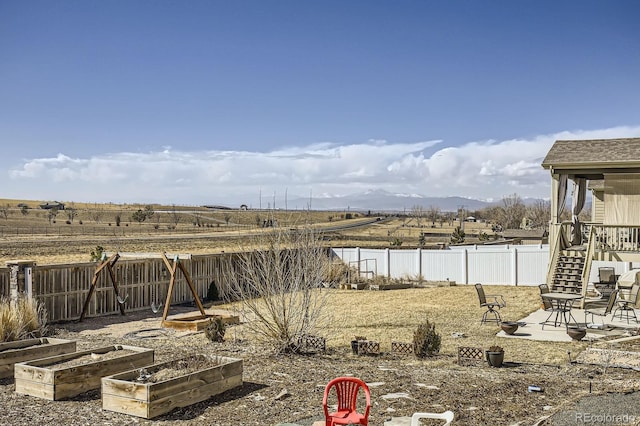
(25, 318)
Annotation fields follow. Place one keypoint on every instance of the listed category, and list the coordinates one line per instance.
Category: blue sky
(215, 101)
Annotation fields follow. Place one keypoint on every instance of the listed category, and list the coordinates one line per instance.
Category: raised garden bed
(68, 375)
(393, 286)
(159, 388)
(29, 349)
(401, 347)
(368, 347)
(197, 322)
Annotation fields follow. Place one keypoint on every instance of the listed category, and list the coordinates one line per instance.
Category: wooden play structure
(107, 264)
(192, 322)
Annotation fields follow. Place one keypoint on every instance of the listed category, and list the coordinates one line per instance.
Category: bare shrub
(23, 319)
(279, 287)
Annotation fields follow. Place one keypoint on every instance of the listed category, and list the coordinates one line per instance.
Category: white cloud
(478, 169)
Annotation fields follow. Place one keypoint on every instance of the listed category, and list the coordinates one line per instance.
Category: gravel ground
(279, 389)
(607, 409)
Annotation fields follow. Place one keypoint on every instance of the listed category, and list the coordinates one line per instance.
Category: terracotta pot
(576, 333)
(495, 359)
(509, 327)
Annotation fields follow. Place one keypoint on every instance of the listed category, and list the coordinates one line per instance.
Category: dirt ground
(289, 388)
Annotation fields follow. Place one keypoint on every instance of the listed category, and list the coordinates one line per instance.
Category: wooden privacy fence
(64, 288)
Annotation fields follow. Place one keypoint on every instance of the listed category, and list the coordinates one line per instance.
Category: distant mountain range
(381, 200)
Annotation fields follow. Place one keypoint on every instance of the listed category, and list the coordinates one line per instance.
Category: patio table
(561, 304)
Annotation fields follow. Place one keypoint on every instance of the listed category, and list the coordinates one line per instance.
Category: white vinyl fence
(505, 264)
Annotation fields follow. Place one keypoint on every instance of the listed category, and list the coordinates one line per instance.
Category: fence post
(419, 262)
(514, 265)
(465, 266)
(358, 259)
(387, 262)
(17, 277)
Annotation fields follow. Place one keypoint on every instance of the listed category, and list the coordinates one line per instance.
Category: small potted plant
(495, 356)
(355, 343)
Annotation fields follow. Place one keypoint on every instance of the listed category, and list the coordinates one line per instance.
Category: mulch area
(289, 388)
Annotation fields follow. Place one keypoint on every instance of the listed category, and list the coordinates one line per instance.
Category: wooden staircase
(567, 277)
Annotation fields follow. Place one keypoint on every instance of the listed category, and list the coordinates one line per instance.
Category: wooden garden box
(130, 393)
(29, 349)
(48, 378)
(197, 322)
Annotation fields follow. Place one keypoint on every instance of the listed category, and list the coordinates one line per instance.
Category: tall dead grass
(23, 319)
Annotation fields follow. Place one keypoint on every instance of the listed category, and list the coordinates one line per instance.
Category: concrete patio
(532, 328)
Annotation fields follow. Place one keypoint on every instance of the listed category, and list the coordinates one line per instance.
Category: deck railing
(624, 238)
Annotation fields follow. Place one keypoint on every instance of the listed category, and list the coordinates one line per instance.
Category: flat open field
(34, 235)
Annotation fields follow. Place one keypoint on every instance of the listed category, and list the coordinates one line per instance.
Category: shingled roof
(594, 153)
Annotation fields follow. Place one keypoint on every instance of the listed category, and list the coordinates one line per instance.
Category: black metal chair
(627, 305)
(606, 281)
(548, 306)
(545, 302)
(491, 302)
(602, 312)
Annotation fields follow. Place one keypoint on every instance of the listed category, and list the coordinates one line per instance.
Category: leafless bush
(23, 319)
(279, 286)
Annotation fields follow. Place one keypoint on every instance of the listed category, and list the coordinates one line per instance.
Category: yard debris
(396, 395)
(422, 385)
(284, 393)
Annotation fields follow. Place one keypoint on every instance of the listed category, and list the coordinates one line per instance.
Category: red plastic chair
(347, 389)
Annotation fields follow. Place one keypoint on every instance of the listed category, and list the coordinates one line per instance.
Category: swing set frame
(108, 264)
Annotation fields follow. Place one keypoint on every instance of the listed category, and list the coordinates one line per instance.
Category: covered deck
(610, 168)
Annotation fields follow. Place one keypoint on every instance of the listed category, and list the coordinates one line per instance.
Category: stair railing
(586, 268)
(559, 245)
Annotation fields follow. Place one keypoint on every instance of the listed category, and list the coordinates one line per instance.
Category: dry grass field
(384, 316)
(191, 229)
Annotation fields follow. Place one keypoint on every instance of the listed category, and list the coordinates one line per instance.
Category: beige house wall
(597, 207)
(622, 194)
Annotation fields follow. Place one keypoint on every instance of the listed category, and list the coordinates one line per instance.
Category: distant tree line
(510, 213)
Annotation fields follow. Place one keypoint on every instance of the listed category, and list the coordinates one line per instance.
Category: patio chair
(545, 302)
(346, 389)
(602, 312)
(628, 304)
(548, 306)
(606, 281)
(491, 302)
(447, 416)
